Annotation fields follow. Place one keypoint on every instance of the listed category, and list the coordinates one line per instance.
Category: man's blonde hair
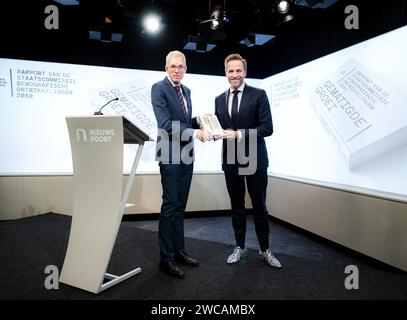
(235, 56)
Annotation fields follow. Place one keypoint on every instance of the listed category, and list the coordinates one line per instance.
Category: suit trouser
(176, 182)
(256, 186)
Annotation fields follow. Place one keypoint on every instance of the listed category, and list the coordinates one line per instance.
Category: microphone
(99, 113)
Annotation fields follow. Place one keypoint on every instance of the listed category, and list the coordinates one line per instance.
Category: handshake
(210, 129)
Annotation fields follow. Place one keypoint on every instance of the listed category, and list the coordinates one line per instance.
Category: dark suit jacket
(254, 113)
(174, 131)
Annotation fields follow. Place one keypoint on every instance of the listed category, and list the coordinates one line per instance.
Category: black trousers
(256, 186)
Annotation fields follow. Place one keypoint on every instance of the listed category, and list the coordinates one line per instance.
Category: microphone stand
(99, 113)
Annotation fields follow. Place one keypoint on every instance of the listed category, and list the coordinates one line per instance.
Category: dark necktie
(182, 102)
(235, 102)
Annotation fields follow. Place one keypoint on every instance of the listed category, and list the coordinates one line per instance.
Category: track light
(215, 25)
(215, 18)
(213, 29)
(219, 16)
(284, 11)
(283, 6)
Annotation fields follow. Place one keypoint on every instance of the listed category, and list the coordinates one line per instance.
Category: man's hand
(230, 134)
(204, 135)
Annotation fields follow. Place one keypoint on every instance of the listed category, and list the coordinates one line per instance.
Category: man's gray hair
(175, 53)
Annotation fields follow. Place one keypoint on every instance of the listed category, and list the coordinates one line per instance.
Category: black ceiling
(313, 33)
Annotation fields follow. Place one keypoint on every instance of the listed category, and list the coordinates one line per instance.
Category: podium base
(117, 279)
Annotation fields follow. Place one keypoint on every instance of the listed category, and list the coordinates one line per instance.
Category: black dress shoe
(172, 269)
(183, 258)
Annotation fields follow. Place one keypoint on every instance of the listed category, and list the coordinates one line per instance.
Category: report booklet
(211, 124)
(360, 112)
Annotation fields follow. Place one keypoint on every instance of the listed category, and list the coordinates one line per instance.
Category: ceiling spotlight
(284, 11)
(215, 24)
(283, 6)
(215, 18)
(151, 24)
(219, 17)
(225, 18)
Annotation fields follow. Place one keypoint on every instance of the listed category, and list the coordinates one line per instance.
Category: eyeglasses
(173, 67)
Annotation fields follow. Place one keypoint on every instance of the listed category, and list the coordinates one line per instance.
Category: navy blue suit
(175, 155)
(254, 113)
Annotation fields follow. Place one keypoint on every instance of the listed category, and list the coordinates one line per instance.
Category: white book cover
(211, 124)
(362, 114)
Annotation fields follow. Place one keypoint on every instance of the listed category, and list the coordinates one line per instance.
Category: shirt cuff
(195, 134)
(239, 135)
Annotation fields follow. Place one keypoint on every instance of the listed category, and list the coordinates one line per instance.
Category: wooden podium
(98, 200)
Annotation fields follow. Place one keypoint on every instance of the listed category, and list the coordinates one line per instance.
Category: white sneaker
(269, 258)
(238, 253)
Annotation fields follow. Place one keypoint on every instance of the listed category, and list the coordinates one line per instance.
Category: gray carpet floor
(312, 269)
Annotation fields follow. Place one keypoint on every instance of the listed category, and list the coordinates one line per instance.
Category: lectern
(98, 199)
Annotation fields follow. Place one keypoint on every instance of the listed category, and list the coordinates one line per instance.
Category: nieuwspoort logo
(94, 135)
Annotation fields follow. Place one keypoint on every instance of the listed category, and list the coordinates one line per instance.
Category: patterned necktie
(235, 102)
(182, 102)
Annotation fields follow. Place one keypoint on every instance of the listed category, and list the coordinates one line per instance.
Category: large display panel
(341, 120)
(35, 98)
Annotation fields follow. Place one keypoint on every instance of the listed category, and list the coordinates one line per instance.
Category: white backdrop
(35, 97)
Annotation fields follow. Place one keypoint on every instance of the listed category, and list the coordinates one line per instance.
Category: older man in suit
(245, 112)
(172, 107)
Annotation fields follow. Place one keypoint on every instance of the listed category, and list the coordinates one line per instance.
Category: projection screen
(340, 120)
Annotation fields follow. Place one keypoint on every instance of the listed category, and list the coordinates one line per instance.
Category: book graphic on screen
(363, 115)
(134, 103)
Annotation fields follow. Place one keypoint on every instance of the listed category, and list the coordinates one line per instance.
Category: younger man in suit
(245, 111)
